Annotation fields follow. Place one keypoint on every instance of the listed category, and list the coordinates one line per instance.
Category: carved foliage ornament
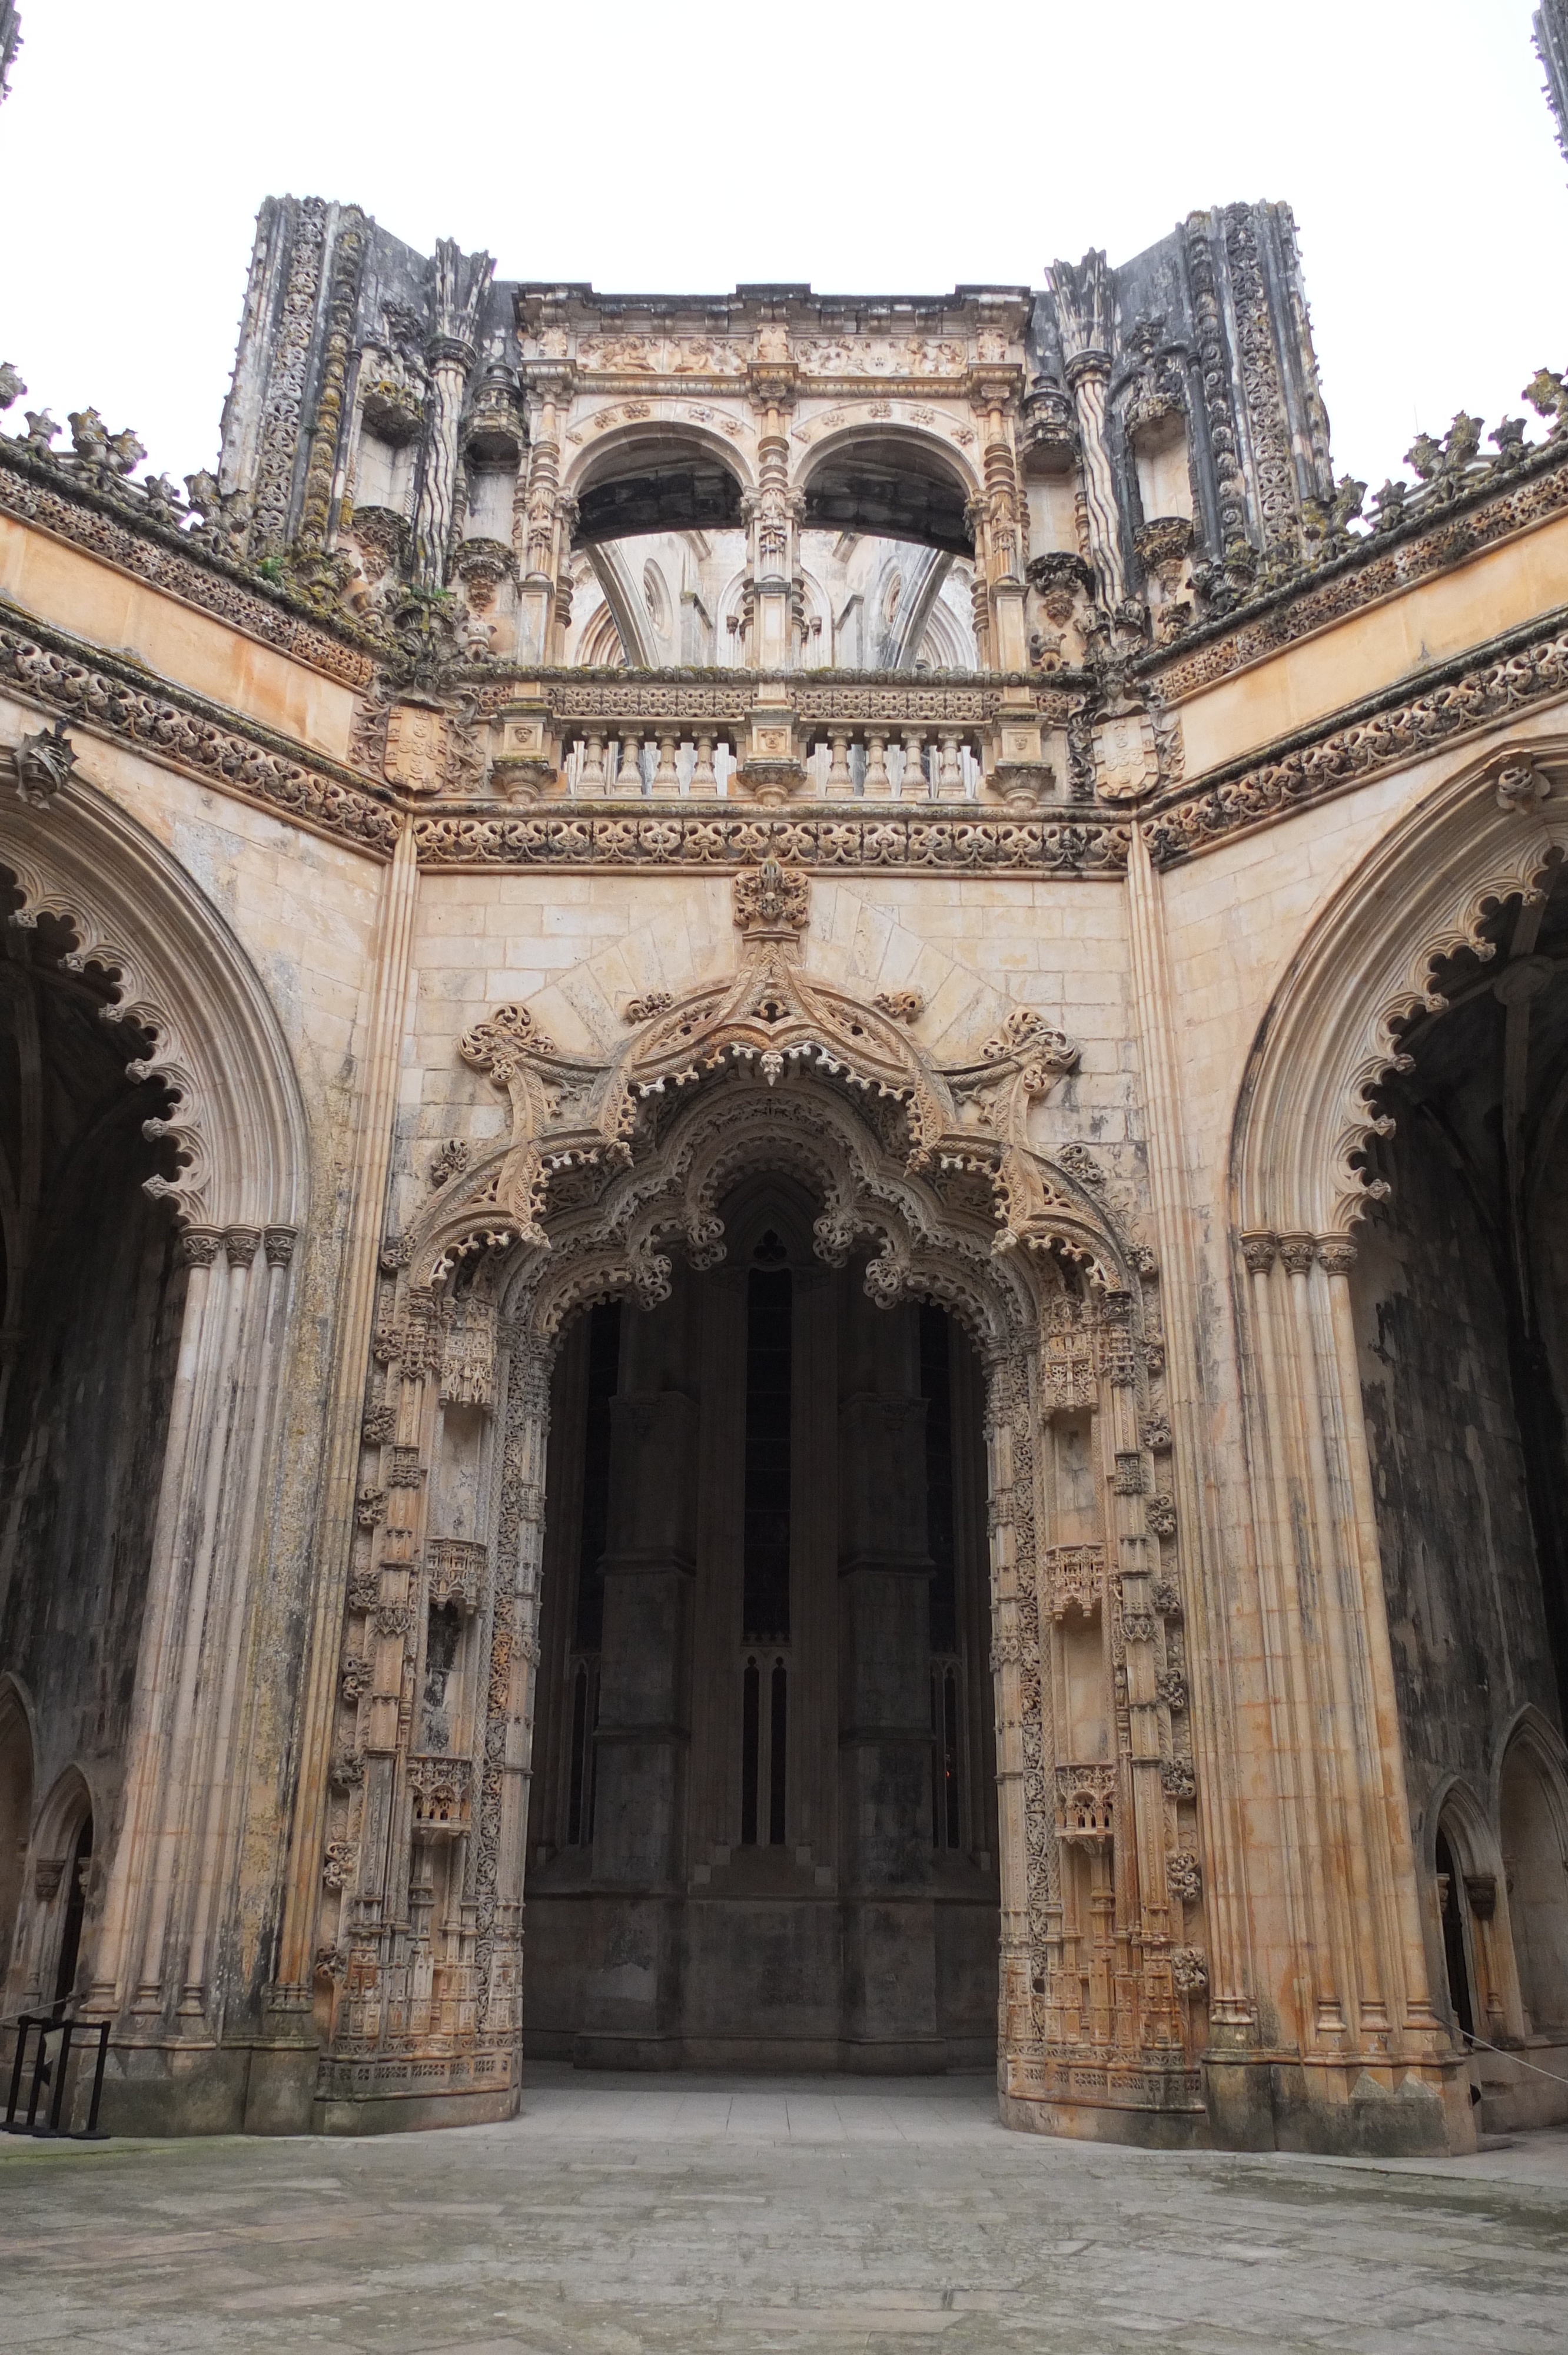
(42, 763)
(775, 1022)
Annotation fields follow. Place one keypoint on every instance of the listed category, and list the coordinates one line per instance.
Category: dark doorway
(764, 1805)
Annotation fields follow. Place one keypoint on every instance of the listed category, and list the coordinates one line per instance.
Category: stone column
(1088, 376)
(340, 1442)
(772, 510)
(1003, 554)
(632, 2007)
(1216, 1743)
(460, 283)
(436, 508)
(536, 530)
(1396, 1849)
(884, 1695)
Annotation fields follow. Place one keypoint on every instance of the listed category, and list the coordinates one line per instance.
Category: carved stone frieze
(1371, 569)
(176, 728)
(672, 839)
(1466, 699)
(776, 1021)
(156, 553)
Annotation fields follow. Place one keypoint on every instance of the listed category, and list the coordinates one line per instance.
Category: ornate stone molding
(670, 838)
(1336, 1027)
(1379, 567)
(156, 553)
(177, 973)
(576, 1119)
(1523, 669)
(58, 672)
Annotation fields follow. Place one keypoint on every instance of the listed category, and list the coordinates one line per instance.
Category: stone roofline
(771, 302)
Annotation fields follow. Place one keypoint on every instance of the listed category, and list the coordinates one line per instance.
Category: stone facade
(781, 1111)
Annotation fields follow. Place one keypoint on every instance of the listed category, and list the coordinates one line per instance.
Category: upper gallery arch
(657, 476)
(892, 481)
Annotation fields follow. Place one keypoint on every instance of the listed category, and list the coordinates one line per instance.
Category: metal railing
(54, 2075)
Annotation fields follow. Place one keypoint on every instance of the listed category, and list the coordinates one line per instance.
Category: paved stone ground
(625, 2216)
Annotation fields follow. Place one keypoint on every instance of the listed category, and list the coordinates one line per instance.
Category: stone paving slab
(823, 2216)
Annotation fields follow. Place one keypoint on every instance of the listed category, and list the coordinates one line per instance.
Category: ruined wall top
(1158, 422)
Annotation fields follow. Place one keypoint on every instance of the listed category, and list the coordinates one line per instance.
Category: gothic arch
(603, 646)
(1532, 1839)
(18, 1769)
(619, 632)
(1457, 1811)
(70, 1807)
(239, 1122)
(964, 1123)
(1332, 1030)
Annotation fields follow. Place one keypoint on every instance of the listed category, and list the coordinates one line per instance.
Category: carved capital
(241, 1244)
(279, 1242)
(198, 1246)
(1336, 1254)
(1296, 1253)
(1259, 1251)
(1087, 367)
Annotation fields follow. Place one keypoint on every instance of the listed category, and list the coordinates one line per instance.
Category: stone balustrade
(783, 737)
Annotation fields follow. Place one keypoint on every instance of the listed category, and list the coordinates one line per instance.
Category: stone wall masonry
(103, 602)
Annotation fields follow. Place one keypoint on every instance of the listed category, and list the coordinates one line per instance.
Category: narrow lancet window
(603, 1374)
(778, 1735)
(765, 1687)
(580, 1774)
(769, 1337)
(750, 1717)
(936, 1389)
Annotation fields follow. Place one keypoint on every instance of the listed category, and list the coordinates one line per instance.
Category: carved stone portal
(927, 1179)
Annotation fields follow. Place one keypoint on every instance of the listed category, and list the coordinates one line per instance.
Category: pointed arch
(1532, 1831)
(239, 1122)
(1331, 1032)
(19, 1755)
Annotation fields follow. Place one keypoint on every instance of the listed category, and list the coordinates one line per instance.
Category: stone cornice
(113, 698)
(676, 839)
(493, 677)
(1378, 567)
(1484, 687)
(38, 494)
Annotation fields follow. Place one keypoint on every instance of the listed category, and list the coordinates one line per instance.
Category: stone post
(631, 2014)
(772, 510)
(1002, 555)
(535, 531)
(885, 1709)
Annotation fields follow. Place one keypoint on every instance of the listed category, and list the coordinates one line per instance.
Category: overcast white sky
(863, 147)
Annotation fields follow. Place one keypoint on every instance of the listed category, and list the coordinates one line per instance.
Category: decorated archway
(1341, 1542)
(125, 971)
(608, 1169)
